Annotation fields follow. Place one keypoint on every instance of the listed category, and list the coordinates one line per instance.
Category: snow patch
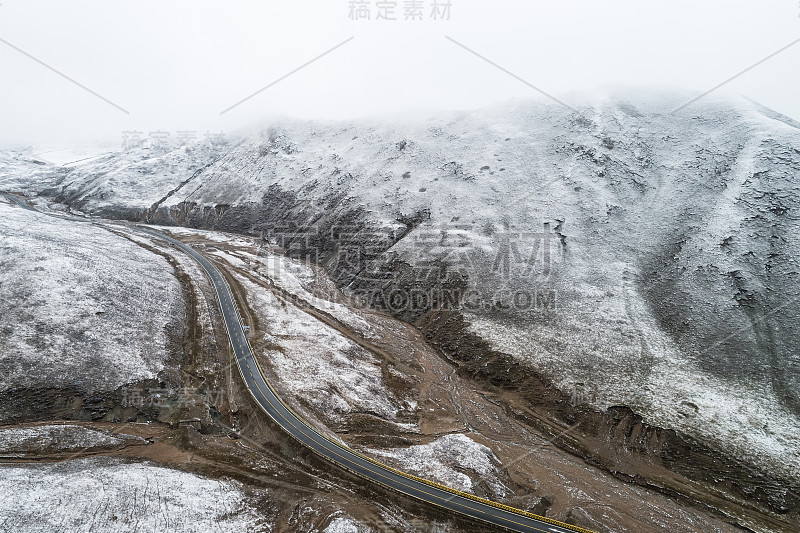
(453, 460)
(110, 496)
(62, 438)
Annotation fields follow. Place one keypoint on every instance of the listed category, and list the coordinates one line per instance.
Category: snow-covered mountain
(627, 254)
(83, 309)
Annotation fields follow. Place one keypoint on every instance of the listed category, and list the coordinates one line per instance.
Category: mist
(90, 70)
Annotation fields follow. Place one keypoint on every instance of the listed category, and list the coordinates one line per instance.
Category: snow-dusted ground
(673, 239)
(58, 438)
(672, 391)
(107, 495)
(21, 172)
(316, 363)
(117, 176)
(64, 154)
(81, 307)
(346, 525)
(454, 460)
(298, 278)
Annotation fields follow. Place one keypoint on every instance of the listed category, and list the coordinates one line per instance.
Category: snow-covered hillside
(629, 254)
(83, 308)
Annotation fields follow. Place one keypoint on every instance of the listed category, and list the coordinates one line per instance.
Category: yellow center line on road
(356, 465)
(350, 461)
(368, 469)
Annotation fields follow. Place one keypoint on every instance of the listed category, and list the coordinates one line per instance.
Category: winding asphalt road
(426, 491)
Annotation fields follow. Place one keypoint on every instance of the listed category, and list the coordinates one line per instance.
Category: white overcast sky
(176, 64)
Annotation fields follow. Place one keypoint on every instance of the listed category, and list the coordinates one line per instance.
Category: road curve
(264, 394)
(426, 491)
